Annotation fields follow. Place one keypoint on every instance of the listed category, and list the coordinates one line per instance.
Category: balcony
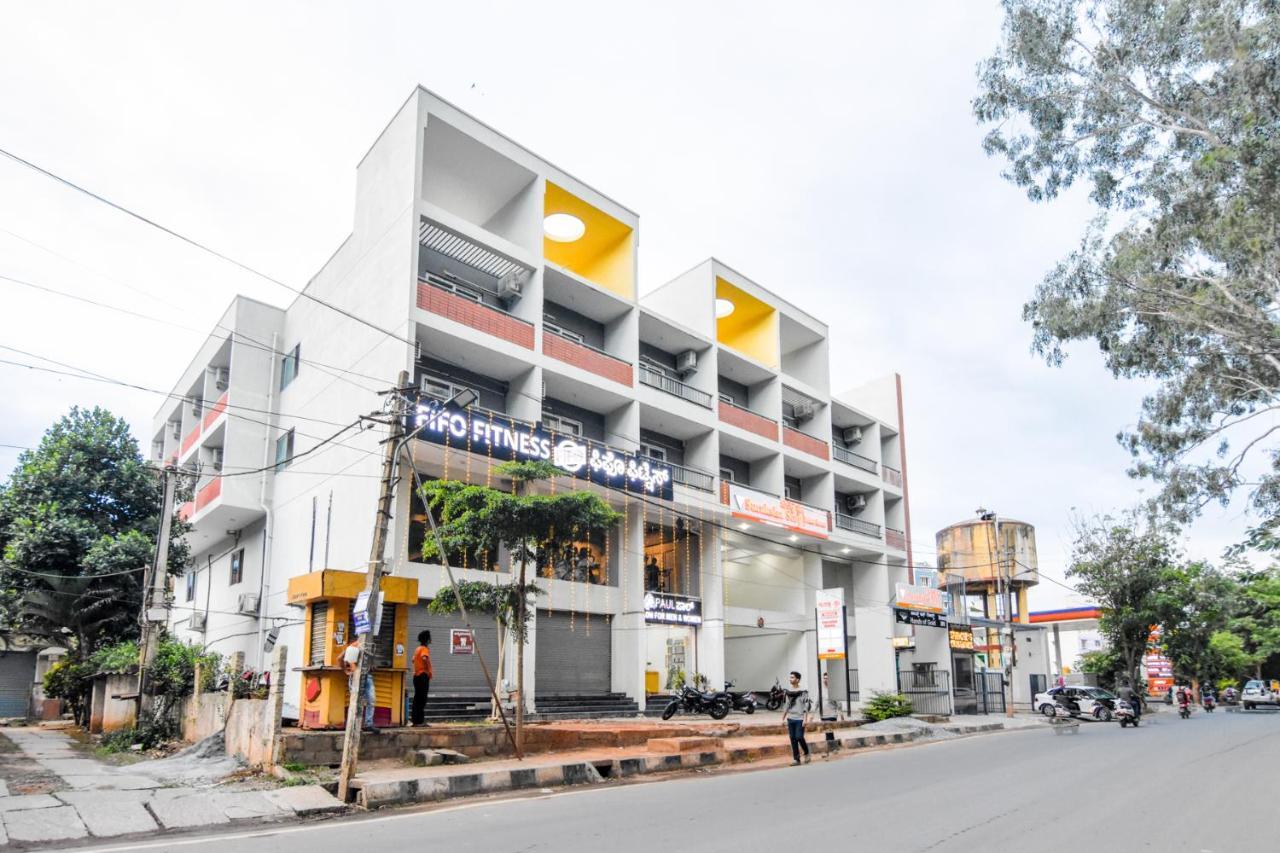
(484, 318)
(215, 412)
(892, 476)
(676, 388)
(190, 441)
(747, 420)
(895, 539)
(587, 357)
(692, 477)
(848, 457)
(857, 525)
(797, 440)
(208, 493)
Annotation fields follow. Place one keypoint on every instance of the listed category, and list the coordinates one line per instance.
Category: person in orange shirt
(422, 673)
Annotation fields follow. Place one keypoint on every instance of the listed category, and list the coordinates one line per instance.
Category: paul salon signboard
(668, 609)
(757, 506)
(506, 440)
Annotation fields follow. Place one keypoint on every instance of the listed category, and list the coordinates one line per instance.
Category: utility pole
(373, 584)
(154, 611)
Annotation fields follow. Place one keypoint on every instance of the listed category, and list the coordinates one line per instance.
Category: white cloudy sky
(830, 156)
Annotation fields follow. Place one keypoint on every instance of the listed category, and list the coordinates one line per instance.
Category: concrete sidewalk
(82, 797)
(392, 785)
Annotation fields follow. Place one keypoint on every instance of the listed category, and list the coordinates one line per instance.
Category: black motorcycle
(740, 700)
(777, 695)
(693, 701)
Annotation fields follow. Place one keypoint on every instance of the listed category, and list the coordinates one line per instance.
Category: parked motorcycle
(777, 695)
(693, 701)
(741, 700)
(1230, 696)
(1124, 713)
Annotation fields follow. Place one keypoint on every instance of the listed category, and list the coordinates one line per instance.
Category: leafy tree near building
(1167, 111)
(78, 520)
(1194, 603)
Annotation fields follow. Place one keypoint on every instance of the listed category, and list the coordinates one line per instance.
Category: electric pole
(154, 609)
(373, 584)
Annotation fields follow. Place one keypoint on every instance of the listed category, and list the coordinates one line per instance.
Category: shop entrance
(671, 657)
(965, 687)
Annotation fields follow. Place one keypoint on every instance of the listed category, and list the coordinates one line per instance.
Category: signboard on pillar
(796, 517)
(917, 617)
(831, 637)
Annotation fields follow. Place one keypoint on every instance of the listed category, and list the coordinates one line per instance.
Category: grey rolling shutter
(319, 632)
(17, 677)
(573, 662)
(383, 651)
(457, 675)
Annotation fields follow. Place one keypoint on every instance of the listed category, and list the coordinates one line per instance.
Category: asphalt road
(1205, 784)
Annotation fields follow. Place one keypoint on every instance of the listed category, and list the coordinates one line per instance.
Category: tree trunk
(499, 668)
(521, 627)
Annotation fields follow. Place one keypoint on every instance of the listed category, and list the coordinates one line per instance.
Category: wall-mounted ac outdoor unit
(221, 378)
(855, 503)
(803, 411)
(511, 285)
(686, 362)
(248, 604)
(851, 435)
(197, 622)
(176, 427)
(215, 458)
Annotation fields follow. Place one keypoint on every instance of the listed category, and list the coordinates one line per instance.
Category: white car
(1258, 693)
(1091, 701)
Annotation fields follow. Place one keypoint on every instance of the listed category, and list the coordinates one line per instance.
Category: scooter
(1209, 703)
(1124, 713)
(1184, 710)
(777, 696)
(742, 700)
(693, 701)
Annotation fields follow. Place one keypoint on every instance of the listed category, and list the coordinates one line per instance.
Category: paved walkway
(89, 798)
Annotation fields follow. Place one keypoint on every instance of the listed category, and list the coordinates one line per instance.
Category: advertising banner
(668, 609)
(916, 617)
(960, 637)
(462, 641)
(921, 598)
(778, 512)
(507, 439)
(830, 609)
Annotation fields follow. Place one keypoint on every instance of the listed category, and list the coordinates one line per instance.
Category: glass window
(237, 566)
(284, 449)
(191, 586)
(289, 366)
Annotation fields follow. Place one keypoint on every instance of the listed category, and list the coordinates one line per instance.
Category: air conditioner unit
(855, 503)
(215, 458)
(686, 362)
(176, 427)
(221, 378)
(802, 411)
(511, 285)
(851, 435)
(248, 604)
(197, 622)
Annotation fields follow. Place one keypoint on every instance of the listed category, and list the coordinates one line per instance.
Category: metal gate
(573, 657)
(457, 675)
(992, 692)
(929, 691)
(17, 677)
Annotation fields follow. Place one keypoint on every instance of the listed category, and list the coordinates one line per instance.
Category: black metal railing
(857, 525)
(692, 477)
(857, 460)
(663, 382)
(929, 691)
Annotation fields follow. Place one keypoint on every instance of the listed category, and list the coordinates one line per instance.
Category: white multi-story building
(475, 264)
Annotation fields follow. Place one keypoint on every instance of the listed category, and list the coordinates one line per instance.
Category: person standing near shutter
(422, 673)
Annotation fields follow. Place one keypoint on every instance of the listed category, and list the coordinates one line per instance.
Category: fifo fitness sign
(830, 611)
(506, 440)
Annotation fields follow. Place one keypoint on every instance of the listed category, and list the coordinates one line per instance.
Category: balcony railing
(895, 539)
(857, 525)
(485, 318)
(892, 476)
(215, 412)
(805, 443)
(748, 420)
(857, 460)
(692, 477)
(661, 381)
(584, 355)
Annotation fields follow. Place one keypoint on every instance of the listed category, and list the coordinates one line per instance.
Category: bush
(886, 705)
(122, 657)
(69, 680)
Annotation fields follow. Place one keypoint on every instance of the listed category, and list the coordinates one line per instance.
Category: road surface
(1205, 784)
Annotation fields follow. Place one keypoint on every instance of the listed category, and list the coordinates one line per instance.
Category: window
(443, 389)
(729, 398)
(653, 451)
(726, 474)
(792, 488)
(556, 329)
(237, 567)
(289, 366)
(191, 586)
(564, 426)
(284, 450)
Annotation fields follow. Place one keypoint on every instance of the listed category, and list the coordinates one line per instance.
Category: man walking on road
(422, 674)
(796, 713)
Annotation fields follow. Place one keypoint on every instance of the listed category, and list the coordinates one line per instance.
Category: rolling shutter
(457, 675)
(573, 661)
(17, 677)
(319, 632)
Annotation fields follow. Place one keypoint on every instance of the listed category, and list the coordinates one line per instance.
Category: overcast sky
(830, 156)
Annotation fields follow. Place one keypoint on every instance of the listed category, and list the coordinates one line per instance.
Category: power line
(198, 245)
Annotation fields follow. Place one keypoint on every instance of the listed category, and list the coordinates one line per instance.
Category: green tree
(1103, 663)
(1121, 563)
(1167, 110)
(1256, 620)
(1193, 604)
(78, 520)
(1231, 661)
(481, 519)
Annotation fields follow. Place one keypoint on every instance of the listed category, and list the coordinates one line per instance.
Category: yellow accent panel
(752, 328)
(330, 583)
(605, 254)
